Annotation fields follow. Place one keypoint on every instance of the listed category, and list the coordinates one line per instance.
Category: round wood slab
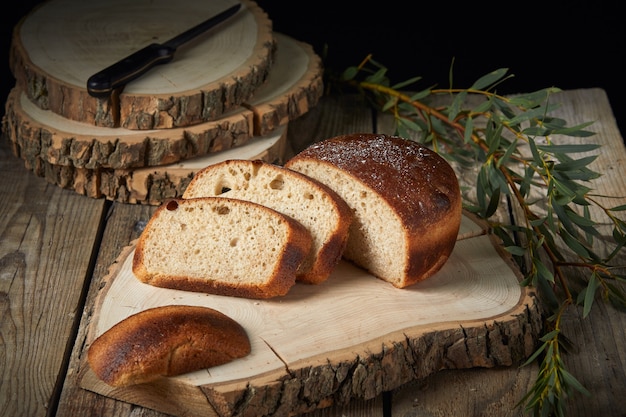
(61, 43)
(154, 185)
(42, 137)
(352, 336)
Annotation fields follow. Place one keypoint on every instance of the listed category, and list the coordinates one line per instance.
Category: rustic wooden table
(56, 246)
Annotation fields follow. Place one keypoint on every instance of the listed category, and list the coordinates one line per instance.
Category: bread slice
(316, 206)
(406, 200)
(166, 341)
(221, 246)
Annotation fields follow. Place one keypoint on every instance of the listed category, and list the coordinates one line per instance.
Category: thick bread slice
(221, 246)
(406, 199)
(166, 341)
(316, 206)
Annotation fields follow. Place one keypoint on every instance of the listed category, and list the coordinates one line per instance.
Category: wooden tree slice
(154, 185)
(61, 43)
(352, 336)
(293, 87)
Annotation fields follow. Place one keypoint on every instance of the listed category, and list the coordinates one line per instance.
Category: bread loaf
(325, 214)
(166, 341)
(221, 246)
(406, 200)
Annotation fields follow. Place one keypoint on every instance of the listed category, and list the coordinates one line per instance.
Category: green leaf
(574, 244)
(535, 355)
(571, 148)
(510, 150)
(590, 294)
(379, 77)
(562, 195)
(515, 250)
(537, 159)
(349, 73)
(536, 131)
(572, 382)
(390, 103)
(489, 79)
(455, 108)
(469, 129)
(534, 99)
(553, 334)
(542, 271)
(484, 106)
(410, 124)
(532, 114)
(406, 83)
(421, 94)
(575, 131)
(504, 107)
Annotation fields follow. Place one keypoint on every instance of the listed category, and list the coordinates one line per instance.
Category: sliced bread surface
(221, 246)
(406, 200)
(320, 209)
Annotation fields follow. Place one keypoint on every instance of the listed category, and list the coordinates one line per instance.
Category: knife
(138, 63)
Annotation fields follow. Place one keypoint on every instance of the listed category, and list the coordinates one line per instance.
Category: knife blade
(102, 83)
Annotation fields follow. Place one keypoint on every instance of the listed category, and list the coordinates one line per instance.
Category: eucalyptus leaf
(489, 79)
(590, 294)
(406, 83)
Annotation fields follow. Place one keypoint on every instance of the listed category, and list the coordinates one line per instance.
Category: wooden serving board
(43, 137)
(353, 336)
(61, 43)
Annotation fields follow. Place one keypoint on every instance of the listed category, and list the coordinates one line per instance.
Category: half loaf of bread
(166, 341)
(221, 246)
(406, 199)
(316, 206)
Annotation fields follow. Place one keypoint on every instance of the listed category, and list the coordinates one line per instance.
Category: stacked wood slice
(229, 93)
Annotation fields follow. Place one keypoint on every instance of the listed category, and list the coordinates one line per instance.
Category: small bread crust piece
(166, 341)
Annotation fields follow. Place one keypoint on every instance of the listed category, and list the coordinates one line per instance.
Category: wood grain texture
(61, 43)
(43, 137)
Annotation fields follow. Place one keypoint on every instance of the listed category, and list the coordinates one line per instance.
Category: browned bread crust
(380, 175)
(221, 246)
(166, 341)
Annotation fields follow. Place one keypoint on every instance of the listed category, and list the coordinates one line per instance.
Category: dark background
(543, 44)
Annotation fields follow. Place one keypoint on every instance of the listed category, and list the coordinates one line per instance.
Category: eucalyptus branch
(509, 140)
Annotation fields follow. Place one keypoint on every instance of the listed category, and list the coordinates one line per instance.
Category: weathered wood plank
(47, 239)
(124, 223)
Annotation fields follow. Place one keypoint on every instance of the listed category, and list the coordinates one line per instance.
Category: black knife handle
(104, 82)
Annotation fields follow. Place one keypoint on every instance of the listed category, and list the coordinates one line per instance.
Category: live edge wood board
(61, 43)
(353, 336)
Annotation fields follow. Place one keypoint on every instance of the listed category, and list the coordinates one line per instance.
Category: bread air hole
(233, 242)
(308, 196)
(221, 210)
(172, 205)
(277, 183)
